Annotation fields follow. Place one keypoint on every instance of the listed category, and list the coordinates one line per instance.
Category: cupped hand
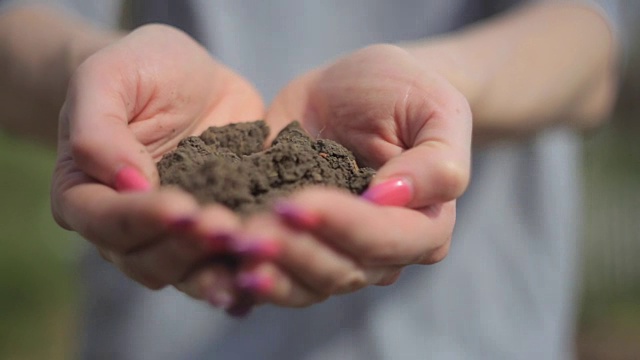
(397, 116)
(126, 106)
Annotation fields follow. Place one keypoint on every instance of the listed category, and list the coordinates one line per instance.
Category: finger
(212, 283)
(123, 222)
(390, 278)
(268, 283)
(100, 102)
(177, 254)
(312, 262)
(436, 166)
(376, 235)
(215, 284)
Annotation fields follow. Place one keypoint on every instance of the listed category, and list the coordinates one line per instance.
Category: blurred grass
(36, 261)
(609, 327)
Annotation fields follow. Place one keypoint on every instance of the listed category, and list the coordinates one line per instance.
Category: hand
(395, 115)
(127, 105)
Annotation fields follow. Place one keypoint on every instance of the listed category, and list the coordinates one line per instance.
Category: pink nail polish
(263, 249)
(394, 192)
(296, 216)
(130, 179)
(182, 224)
(220, 242)
(254, 283)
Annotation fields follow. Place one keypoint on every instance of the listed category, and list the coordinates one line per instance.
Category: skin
(380, 102)
(127, 92)
(130, 102)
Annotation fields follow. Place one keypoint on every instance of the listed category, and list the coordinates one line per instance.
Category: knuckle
(350, 282)
(81, 147)
(390, 279)
(138, 275)
(309, 301)
(106, 255)
(114, 248)
(326, 285)
(166, 203)
(193, 285)
(154, 285)
(436, 255)
(453, 178)
(192, 288)
(382, 252)
(91, 234)
(148, 281)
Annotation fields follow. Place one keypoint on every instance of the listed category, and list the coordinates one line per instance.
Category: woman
(530, 74)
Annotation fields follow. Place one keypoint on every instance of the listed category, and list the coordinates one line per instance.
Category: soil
(229, 165)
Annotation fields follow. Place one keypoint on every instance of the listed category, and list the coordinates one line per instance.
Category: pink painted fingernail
(182, 224)
(219, 242)
(130, 179)
(296, 216)
(262, 248)
(254, 283)
(393, 192)
(220, 298)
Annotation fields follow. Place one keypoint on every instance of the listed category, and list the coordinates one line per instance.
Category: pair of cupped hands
(131, 102)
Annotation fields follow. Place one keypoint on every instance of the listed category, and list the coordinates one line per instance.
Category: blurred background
(38, 295)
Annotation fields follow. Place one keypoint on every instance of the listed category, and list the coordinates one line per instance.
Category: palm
(183, 91)
(132, 102)
(127, 105)
(361, 101)
(161, 86)
(414, 127)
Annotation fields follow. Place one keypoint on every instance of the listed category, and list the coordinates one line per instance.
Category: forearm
(39, 50)
(538, 66)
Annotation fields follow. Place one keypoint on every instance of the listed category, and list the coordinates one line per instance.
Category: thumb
(418, 177)
(95, 121)
(436, 168)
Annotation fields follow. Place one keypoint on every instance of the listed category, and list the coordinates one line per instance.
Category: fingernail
(220, 298)
(296, 216)
(254, 283)
(394, 192)
(130, 179)
(219, 242)
(242, 306)
(261, 248)
(182, 224)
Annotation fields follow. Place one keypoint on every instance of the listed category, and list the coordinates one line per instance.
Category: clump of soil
(228, 165)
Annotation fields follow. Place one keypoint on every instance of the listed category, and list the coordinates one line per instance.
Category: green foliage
(36, 289)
